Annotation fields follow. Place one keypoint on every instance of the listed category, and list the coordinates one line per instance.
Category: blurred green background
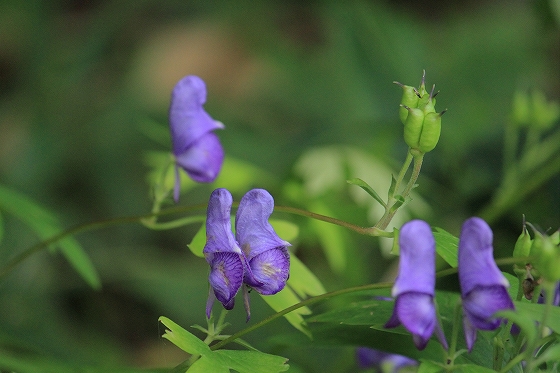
(301, 87)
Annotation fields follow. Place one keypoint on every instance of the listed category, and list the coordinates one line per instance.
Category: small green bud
(409, 98)
(523, 244)
(547, 256)
(431, 129)
(413, 127)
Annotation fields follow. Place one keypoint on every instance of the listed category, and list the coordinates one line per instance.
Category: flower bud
(413, 127)
(409, 98)
(547, 255)
(522, 246)
(431, 129)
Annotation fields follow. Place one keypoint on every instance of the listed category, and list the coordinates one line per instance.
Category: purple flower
(256, 256)
(196, 148)
(371, 358)
(483, 286)
(414, 287)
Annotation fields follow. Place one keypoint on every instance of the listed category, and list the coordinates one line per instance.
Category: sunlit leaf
(331, 238)
(287, 298)
(302, 280)
(447, 246)
(181, 338)
(252, 361)
(365, 186)
(199, 240)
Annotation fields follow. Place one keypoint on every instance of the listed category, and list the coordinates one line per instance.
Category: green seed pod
(431, 129)
(547, 256)
(413, 127)
(555, 237)
(409, 98)
(523, 244)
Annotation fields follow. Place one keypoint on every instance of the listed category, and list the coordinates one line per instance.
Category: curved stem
(307, 302)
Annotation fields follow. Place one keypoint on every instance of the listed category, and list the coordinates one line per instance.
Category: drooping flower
(383, 361)
(414, 287)
(256, 256)
(483, 286)
(196, 148)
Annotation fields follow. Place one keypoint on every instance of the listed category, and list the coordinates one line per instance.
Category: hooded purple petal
(187, 119)
(227, 262)
(483, 286)
(415, 284)
(417, 313)
(476, 262)
(417, 259)
(203, 159)
(267, 254)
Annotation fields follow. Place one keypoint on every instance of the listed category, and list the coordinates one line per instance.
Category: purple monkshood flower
(371, 358)
(256, 256)
(196, 148)
(414, 287)
(483, 286)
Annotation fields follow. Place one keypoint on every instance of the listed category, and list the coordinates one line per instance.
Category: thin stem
(454, 334)
(173, 223)
(418, 158)
(548, 287)
(402, 173)
(307, 302)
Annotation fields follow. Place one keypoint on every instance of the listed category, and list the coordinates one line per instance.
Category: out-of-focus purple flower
(556, 300)
(483, 286)
(414, 287)
(371, 358)
(196, 148)
(256, 256)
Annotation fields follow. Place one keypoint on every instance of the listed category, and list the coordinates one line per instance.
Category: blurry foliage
(82, 82)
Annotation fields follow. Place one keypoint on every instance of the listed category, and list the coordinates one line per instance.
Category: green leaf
(526, 324)
(365, 186)
(535, 311)
(302, 280)
(447, 246)
(181, 338)
(199, 240)
(427, 366)
(221, 361)
(551, 354)
(392, 187)
(286, 230)
(252, 361)
(287, 298)
(47, 226)
(330, 236)
(473, 368)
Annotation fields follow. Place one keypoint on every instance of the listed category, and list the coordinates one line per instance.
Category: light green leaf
(427, 366)
(302, 280)
(526, 324)
(287, 298)
(286, 230)
(551, 354)
(221, 361)
(447, 246)
(199, 240)
(46, 225)
(365, 186)
(252, 361)
(534, 311)
(181, 338)
(330, 236)
(473, 368)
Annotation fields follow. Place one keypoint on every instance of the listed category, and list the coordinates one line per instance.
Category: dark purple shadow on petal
(483, 302)
(226, 277)
(203, 159)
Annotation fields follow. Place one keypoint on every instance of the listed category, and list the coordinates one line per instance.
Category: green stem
(401, 174)
(390, 211)
(173, 223)
(548, 287)
(454, 335)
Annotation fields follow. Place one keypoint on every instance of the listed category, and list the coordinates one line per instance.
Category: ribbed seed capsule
(431, 129)
(413, 127)
(409, 98)
(523, 244)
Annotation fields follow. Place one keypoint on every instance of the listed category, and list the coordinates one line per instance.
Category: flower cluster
(196, 148)
(483, 286)
(256, 256)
